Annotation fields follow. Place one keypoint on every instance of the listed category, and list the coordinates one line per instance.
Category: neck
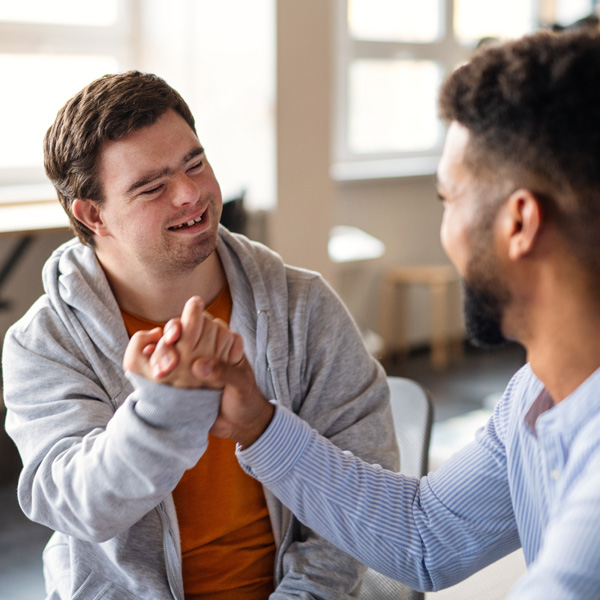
(561, 338)
(161, 296)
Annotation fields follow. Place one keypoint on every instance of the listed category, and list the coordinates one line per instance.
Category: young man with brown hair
(145, 503)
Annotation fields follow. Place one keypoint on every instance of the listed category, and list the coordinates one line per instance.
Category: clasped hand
(197, 351)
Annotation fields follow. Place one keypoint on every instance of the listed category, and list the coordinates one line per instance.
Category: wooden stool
(439, 279)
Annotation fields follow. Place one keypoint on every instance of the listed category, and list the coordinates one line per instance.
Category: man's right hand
(168, 357)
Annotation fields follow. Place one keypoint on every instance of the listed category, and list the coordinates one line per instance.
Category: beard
(483, 310)
(486, 297)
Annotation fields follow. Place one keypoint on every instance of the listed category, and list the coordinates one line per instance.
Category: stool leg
(392, 321)
(401, 318)
(439, 325)
(386, 316)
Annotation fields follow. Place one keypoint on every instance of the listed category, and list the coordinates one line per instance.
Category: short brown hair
(532, 108)
(109, 108)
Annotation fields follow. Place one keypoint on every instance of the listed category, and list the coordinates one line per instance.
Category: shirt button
(555, 474)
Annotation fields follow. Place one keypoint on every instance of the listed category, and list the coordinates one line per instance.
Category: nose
(184, 190)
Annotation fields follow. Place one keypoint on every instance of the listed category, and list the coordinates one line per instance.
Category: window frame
(117, 40)
(447, 52)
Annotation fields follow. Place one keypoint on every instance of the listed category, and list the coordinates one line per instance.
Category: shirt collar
(570, 414)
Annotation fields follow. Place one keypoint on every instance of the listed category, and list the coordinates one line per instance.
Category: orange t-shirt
(227, 542)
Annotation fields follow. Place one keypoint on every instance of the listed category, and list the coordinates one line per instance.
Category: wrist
(258, 426)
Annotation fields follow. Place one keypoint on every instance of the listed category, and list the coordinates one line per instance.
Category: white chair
(412, 411)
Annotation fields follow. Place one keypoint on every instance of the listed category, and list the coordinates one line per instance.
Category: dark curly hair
(109, 108)
(532, 108)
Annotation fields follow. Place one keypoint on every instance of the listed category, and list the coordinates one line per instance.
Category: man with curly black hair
(520, 182)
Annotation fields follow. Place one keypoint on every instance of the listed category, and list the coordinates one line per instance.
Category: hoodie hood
(79, 293)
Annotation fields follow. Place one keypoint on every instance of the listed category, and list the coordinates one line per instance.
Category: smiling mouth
(187, 224)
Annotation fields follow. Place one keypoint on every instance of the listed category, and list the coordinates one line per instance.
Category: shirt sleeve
(429, 534)
(329, 380)
(95, 465)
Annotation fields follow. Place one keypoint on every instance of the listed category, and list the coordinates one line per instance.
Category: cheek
(215, 191)
(143, 225)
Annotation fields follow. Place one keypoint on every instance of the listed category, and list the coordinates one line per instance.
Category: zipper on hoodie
(262, 333)
(269, 379)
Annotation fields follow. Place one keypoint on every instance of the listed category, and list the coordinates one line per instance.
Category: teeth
(187, 223)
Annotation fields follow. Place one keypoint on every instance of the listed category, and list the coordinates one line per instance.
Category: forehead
(452, 169)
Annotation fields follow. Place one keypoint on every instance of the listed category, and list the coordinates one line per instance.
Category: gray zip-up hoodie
(103, 450)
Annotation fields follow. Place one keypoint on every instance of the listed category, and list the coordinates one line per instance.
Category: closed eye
(196, 166)
(151, 191)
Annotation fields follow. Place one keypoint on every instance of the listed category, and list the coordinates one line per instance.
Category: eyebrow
(147, 178)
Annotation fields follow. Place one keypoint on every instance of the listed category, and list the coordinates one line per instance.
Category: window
(232, 94)
(393, 56)
(223, 65)
(48, 52)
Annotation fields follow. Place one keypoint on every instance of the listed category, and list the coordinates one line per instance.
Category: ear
(524, 215)
(88, 213)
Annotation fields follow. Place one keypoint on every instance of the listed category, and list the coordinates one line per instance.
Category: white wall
(404, 213)
(305, 193)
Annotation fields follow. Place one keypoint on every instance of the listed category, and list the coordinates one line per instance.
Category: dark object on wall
(234, 215)
(589, 22)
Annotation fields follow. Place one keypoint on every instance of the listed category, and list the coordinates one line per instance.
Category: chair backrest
(412, 411)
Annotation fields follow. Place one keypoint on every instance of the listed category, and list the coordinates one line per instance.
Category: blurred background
(319, 118)
(318, 113)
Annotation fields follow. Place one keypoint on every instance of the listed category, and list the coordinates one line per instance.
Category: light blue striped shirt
(530, 478)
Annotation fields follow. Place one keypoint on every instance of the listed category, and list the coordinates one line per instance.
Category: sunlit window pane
(394, 20)
(474, 19)
(392, 105)
(41, 85)
(569, 11)
(66, 12)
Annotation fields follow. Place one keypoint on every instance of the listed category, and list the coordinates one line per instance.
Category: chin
(483, 318)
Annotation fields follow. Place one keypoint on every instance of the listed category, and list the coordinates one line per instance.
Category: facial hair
(483, 309)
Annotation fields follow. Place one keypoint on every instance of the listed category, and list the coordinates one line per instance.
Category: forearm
(387, 521)
(92, 473)
(321, 485)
